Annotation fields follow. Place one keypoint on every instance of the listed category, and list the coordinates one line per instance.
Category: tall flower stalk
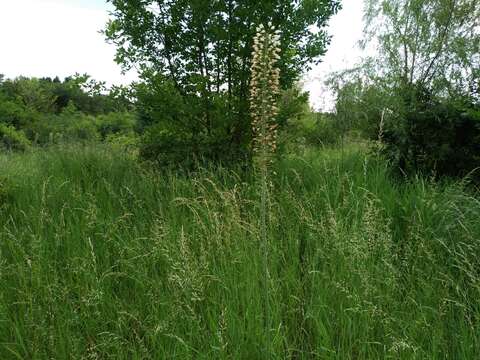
(264, 88)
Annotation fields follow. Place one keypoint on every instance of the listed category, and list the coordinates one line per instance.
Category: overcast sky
(346, 28)
(61, 37)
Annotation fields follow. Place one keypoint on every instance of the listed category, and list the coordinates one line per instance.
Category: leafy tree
(200, 50)
(30, 93)
(88, 95)
(427, 43)
(365, 99)
(419, 94)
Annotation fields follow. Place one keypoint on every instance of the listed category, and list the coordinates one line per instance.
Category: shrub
(175, 130)
(13, 140)
(325, 131)
(198, 127)
(169, 147)
(115, 123)
(81, 128)
(360, 103)
(127, 142)
(293, 106)
(437, 138)
(53, 129)
(12, 113)
(312, 129)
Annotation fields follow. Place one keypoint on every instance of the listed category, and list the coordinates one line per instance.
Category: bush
(115, 123)
(81, 129)
(293, 106)
(74, 126)
(68, 126)
(325, 132)
(437, 139)
(127, 142)
(13, 140)
(12, 113)
(312, 129)
(178, 131)
(169, 147)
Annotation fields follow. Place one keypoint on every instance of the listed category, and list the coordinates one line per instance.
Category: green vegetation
(194, 58)
(45, 111)
(104, 258)
(11, 139)
(207, 212)
(420, 94)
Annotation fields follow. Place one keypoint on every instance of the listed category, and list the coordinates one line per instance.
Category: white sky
(347, 29)
(61, 37)
(56, 37)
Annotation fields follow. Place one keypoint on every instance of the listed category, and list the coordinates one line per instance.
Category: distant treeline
(46, 111)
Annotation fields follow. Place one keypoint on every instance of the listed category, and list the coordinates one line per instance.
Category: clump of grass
(4, 192)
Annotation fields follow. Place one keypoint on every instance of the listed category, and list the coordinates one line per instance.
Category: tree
(203, 49)
(88, 95)
(427, 48)
(420, 95)
(30, 93)
(430, 43)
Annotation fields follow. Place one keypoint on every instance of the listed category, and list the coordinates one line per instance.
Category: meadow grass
(104, 258)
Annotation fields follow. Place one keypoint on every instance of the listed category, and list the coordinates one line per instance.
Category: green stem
(265, 253)
(264, 179)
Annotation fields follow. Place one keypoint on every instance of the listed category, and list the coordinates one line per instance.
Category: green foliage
(429, 43)
(439, 138)
(167, 146)
(81, 129)
(197, 54)
(12, 140)
(311, 130)
(15, 113)
(127, 142)
(115, 123)
(30, 93)
(360, 106)
(77, 109)
(103, 258)
(326, 131)
(68, 126)
(418, 128)
(172, 133)
(293, 105)
(363, 98)
(5, 193)
(87, 95)
(48, 96)
(407, 97)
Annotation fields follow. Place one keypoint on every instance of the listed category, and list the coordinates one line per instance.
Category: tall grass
(103, 258)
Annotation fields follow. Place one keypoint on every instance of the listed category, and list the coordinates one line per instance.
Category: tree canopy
(203, 48)
(430, 43)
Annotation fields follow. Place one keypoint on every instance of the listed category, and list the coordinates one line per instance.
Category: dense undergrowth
(104, 258)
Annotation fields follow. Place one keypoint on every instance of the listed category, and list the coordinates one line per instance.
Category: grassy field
(103, 258)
